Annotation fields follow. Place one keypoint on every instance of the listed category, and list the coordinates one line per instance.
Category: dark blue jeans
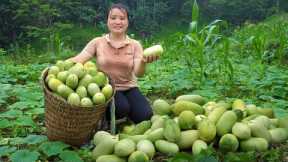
(132, 104)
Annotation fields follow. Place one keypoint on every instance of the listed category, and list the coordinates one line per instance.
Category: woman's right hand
(150, 58)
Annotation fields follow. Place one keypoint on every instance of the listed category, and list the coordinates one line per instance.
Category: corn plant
(197, 44)
(280, 32)
(224, 62)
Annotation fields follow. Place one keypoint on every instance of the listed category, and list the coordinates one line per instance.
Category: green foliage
(24, 156)
(52, 148)
(70, 156)
(238, 12)
(6, 150)
(147, 22)
(208, 155)
(37, 20)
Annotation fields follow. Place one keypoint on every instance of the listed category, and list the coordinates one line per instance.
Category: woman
(122, 59)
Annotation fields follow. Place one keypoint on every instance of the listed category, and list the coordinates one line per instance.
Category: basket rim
(46, 88)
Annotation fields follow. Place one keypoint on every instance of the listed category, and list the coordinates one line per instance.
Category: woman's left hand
(150, 58)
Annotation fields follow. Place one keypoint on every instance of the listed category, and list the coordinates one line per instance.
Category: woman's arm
(141, 61)
(82, 57)
(86, 54)
(140, 68)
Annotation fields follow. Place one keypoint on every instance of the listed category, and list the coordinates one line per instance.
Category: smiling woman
(122, 59)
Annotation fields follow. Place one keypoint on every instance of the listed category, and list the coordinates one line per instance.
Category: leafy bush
(237, 11)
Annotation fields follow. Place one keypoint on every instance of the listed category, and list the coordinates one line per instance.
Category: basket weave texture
(71, 124)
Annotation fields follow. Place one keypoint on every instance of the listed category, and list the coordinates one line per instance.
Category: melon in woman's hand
(153, 50)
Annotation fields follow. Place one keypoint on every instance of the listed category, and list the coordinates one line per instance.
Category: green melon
(64, 91)
(72, 81)
(85, 81)
(62, 76)
(81, 91)
(100, 79)
(74, 99)
(107, 90)
(54, 70)
(86, 102)
(99, 98)
(124, 147)
(138, 156)
(53, 84)
(161, 107)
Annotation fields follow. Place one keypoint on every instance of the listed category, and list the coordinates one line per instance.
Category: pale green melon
(86, 102)
(62, 76)
(92, 89)
(161, 107)
(100, 136)
(78, 70)
(48, 77)
(74, 99)
(186, 119)
(81, 91)
(147, 147)
(89, 64)
(124, 147)
(64, 91)
(60, 64)
(198, 146)
(138, 156)
(107, 90)
(72, 81)
(92, 71)
(99, 98)
(100, 79)
(54, 70)
(85, 81)
(68, 64)
(53, 84)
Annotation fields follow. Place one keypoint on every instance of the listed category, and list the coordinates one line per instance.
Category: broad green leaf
(25, 121)
(11, 114)
(28, 93)
(52, 148)
(70, 156)
(21, 105)
(4, 141)
(280, 112)
(16, 141)
(35, 111)
(4, 92)
(24, 156)
(6, 150)
(34, 139)
(4, 123)
(240, 157)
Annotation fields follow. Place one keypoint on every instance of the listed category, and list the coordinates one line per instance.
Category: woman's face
(117, 21)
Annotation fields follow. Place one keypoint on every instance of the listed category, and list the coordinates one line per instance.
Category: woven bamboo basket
(71, 124)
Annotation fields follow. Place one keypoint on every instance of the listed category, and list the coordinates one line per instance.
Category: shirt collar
(126, 42)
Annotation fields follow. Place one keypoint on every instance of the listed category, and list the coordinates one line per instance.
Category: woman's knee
(141, 114)
(122, 110)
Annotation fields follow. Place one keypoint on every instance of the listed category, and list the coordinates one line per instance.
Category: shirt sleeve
(88, 51)
(138, 53)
